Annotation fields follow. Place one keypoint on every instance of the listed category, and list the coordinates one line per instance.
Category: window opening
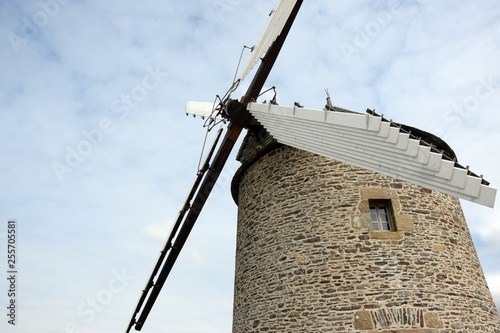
(381, 216)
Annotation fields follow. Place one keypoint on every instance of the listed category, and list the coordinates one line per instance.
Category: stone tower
(310, 258)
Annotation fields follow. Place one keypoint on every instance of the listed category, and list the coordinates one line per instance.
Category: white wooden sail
(202, 109)
(368, 142)
(273, 29)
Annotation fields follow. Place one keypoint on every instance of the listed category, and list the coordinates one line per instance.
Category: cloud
(160, 230)
(484, 224)
(494, 285)
(83, 62)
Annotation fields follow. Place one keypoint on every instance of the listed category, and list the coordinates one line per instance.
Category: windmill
(367, 141)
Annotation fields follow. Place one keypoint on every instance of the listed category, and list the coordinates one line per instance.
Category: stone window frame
(362, 220)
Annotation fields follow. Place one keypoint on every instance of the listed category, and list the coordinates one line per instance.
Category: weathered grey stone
(308, 261)
(432, 320)
(363, 320)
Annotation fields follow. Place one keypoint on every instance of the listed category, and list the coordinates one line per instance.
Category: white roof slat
(447, 169)
(435, 160)
(403, 141)
(459, 178)
(473, 185)
(423, 154)
(261, 107)
(345, 119)
(369, 149)
(360, 121)
(413, 147)
(307, 114)
(393, 135)
(486, 196)
(384, 129)
(374, 123)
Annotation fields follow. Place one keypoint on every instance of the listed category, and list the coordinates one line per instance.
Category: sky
(98, 154)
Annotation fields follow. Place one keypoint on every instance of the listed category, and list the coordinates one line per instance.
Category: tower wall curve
(308, 260)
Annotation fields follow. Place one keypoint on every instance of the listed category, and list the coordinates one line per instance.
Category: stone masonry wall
(308, 261)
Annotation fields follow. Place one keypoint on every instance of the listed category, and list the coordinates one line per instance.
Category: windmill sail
(183, 226)
(202, 109)
(369, 142)
(153, 279)
(192, 208)
(273, 29)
